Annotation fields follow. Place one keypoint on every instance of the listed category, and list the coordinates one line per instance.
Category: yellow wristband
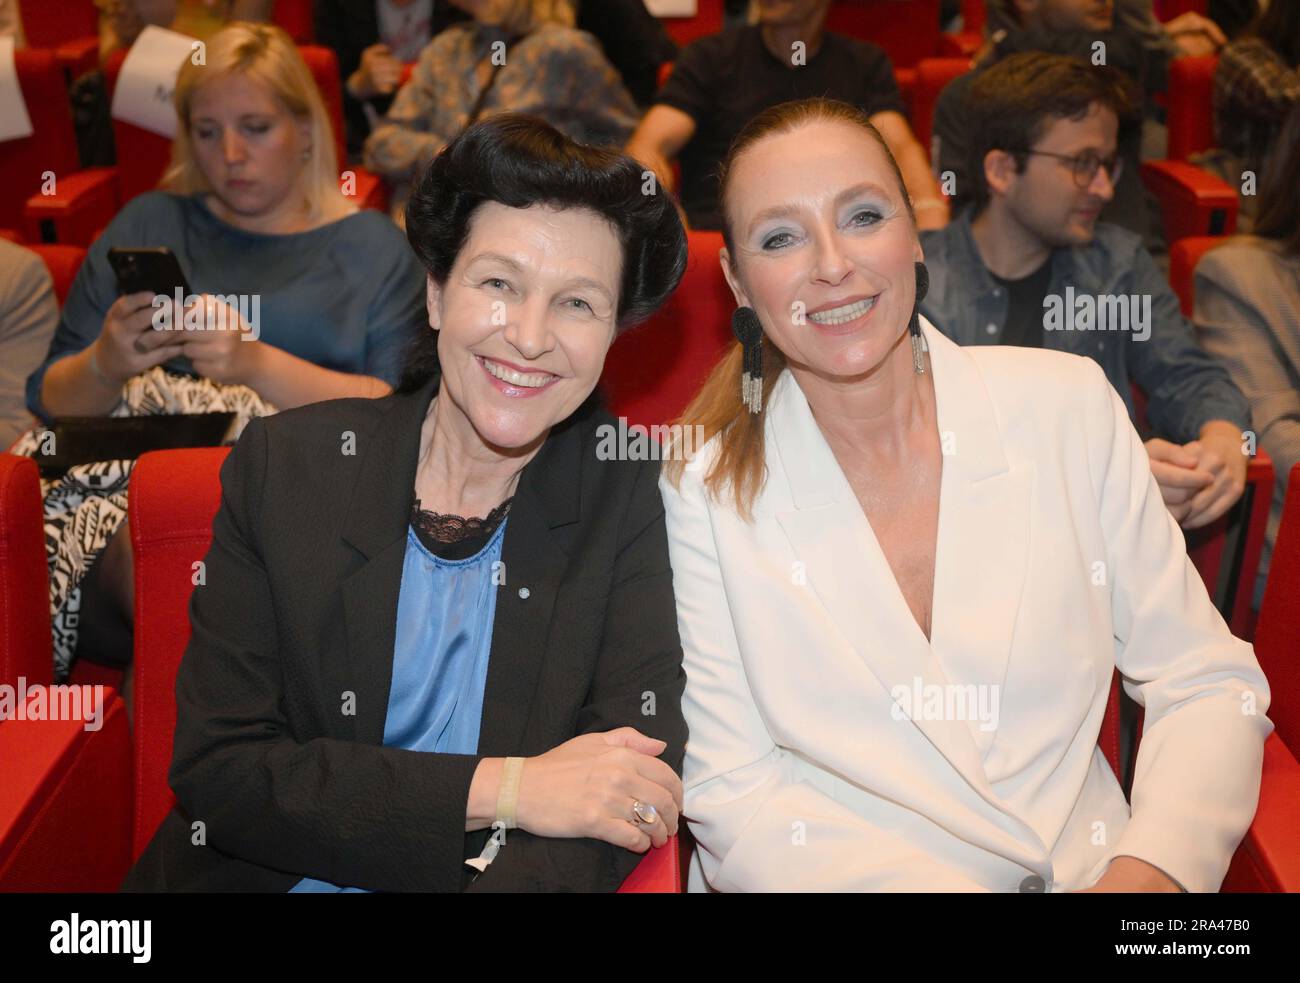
(508, 794)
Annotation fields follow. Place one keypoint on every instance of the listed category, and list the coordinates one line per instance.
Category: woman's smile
(510, 380)
(843, 317)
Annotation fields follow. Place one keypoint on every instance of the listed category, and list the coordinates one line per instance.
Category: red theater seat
(908, 30)
(63, 262)
(25, 645)
(707, 20)
(932, 74)
(81, 200)
(1277, 636)
(1193, 202)
(174, 497)
(1268, 857)
(654, 369)
(295, 17)
(70, 28)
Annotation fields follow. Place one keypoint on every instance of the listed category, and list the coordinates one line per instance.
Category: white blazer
(812, 765)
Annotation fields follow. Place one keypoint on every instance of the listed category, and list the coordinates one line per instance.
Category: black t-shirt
(1024, 326)
(724, 80)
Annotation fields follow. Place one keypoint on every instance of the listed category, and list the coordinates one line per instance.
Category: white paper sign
(148, 78)
(672, 8)
(14, 121)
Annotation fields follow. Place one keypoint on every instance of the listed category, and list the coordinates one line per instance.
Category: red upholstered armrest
(960, 45)
(78, 56)
(25, 646)
(65, 802)
(83, 203)
(174, 498)
(659, 872)
(1269, 857)
(1192, 201)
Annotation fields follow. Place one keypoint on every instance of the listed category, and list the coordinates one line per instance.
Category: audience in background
(28, 314)
(514, 56)
(1045, 156)
(374, 40)
(1248, 315)
(1064, 27)
(255, 216)
(720, 82)
(1190, 33)
(1256, 84)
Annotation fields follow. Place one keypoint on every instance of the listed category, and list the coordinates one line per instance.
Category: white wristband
(508, 794)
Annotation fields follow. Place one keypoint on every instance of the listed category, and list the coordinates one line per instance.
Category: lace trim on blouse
(445, 528)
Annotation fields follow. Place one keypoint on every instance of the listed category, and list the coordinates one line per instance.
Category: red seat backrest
(324, 65)
(1183, 257)
(973, 15)
(1213, 549)
(174, 496)
(707, 20)
(1277, 636)
(52, 146)
(143, 156)
(25, 641)
(932, 75)
(296, 18)
(49, 23)
(655, 369)
(63, 262)
(908, 30)
(1169, 9)
(1190, 111)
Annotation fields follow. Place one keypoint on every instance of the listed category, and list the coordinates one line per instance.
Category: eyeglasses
(1086, 165)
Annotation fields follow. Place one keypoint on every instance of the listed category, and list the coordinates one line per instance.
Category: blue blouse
(445, 610)
(347, 296)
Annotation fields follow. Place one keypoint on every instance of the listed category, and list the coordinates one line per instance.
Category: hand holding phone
(128, 343)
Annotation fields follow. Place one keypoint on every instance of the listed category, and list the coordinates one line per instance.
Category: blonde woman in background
(514, 56)
(326, 298)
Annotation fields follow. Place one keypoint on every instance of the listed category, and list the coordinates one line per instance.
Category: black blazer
(298, 616)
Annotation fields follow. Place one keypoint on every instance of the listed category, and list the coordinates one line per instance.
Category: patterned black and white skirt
(86, 506)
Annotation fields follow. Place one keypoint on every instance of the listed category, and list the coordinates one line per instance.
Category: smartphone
(158, 271)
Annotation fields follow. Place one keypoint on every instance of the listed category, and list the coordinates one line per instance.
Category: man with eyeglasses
(1079, 28)
(1029, 264)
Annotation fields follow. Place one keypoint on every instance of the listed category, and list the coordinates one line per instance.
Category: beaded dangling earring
(914, 328)
(749, 332)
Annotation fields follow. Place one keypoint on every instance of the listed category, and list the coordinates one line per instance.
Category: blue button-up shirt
(1185, 387)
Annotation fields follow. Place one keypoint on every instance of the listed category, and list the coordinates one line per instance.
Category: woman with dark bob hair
(437, 648)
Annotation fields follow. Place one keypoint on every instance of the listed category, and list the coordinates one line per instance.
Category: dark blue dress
(347, 296)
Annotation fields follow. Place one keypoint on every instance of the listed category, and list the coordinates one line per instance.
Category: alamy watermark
(930, 701)
(229, 313)
(1103, 312)
(41, 702)
(637, 442)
